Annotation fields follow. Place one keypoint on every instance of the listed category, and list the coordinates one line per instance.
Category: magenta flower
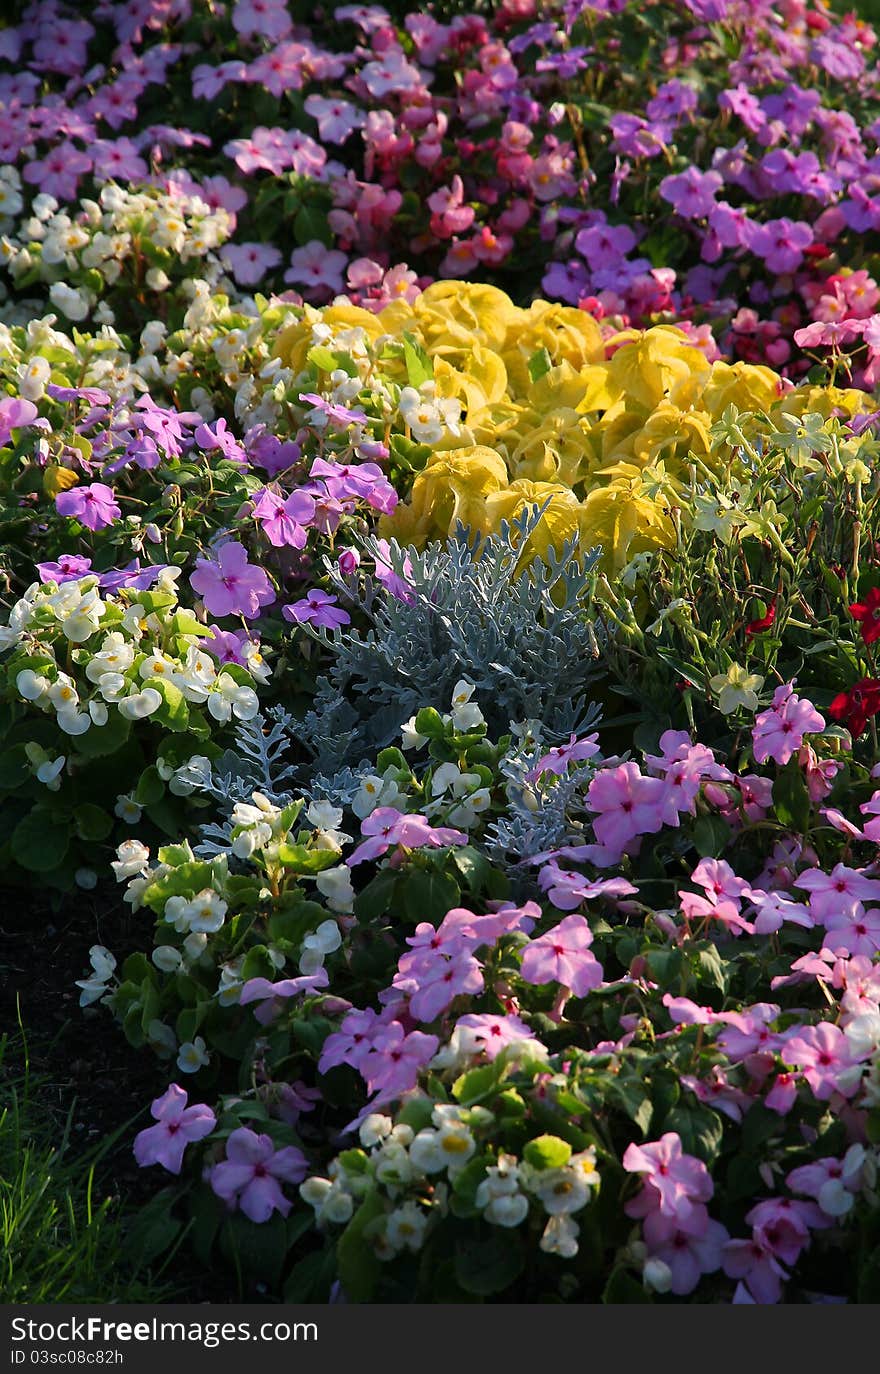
(177, 1125)
(492, 1034)
(318, 608)
(93, 506)
(781, 243)
(387, 827)
(231, 585)
(15, 412)
(567, 888)
(392, 1064)
(692, 193)
(841, 888)
(826, 1058)
(690, 1245)
(779, 732)
(443, 981)
(853, 930)
(674, 1180)
(563, 956)
(253, 1171)
(754, 1262)
(627, 804)
(68, 568)
(557, 760)
(317, 267)
(285, 522)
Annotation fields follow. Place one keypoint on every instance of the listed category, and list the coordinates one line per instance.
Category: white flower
(132, 858)
(863, 1034)
(98, 713)
(140, 704)
(74, 722)
(161, 1038)
(194, 945)
(374, 1128)
(127, 809)
(103, 964)
(405, 1228)
(63, 694)
(48, 774)
(324, 816)
(507, 1210)
(466, 715)
(33, 376)
(74, 304)
(192, 1055)
(560, 1190)
(656, 1275)
(167, 958)
(30, 685)
(329, 1199)
(393, 1166)
(158, 664)
(409, 735)
(229, 699)
(560, 1237)
(335, 886)
(206, 911)
(315, 947)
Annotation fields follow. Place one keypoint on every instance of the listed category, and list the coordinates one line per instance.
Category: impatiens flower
(826, 1058)
(556, 760)
(317, 267)
(318, 608)
(177, 1125)
(230, 585)
(253, 1171)
(562, 956)
(95, 506)
(15, 413)
(675, 1180)
(779, 732)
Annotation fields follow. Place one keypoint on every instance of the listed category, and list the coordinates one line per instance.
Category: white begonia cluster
(123, 669)
(466, 790)
(562, 1192)
(103, 236)
(430, 417)
(257, 825)
(202, 914)
(376, 791)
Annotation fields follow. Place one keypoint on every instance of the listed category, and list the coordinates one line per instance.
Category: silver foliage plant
(473, 608)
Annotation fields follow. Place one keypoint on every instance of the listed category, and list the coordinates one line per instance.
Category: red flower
(855, 707)
(867, 612)
(756, 627)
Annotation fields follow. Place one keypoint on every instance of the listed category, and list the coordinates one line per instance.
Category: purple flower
(562, 956)
(318, 608)
(231, 585)
(249, 262)
(220, 438)
(93, 506)
(343, 415)
(177, 1125)
(252, 1172)
(691, 193)
(134, 576)
(225, 645)
(285, 522)
(14, 412)
(69, 568)
(780, 242)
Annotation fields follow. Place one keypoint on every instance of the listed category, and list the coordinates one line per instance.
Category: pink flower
(337, 119)
(93, 506)
(853, 930)
(628, 804)
(285, 522)
(692, 193)
(58, 173)
(317, 267)
(567, 889)
(449, 214)
(842, 887)
(557, 760)
(832, 1182)
(253, 1171)
(779, 732)
(780, 242)
(690, 1245)
(562, 956)
(393, 74)
(249, 262)
(391, 1065)
(266, 18)
(826, 1058)
(15, 413)
(387, 827)
(676, 1180)
(493, 1033)
(754, 1261)
(177, 1125)
(231, 585)
(318, 608)
(443, 981)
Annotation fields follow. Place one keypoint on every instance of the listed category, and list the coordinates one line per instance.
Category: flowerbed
(477, 690)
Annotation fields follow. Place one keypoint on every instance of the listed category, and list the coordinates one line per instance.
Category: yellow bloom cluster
(554, 411)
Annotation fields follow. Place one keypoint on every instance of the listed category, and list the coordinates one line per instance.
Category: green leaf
(40, 840)
(174, 711)
(301, 859)
(539, 364)
(154, 1229)
(260, 1250)
(489, 1266)
(101, 740)
(429, 722)
(356, 1260)
(376, 898)
(701, 1131)
(476, 1084)
(311, 223)
(791, 800)
(711, 836)
(92, 822)
(419, 366)
(547, 1152)
(623, 1288)
(150, 788)
(15, 768)
(428, 895)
